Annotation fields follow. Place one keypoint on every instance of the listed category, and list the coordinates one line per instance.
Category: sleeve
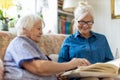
(23, 51)
(108, 53)
(64, 52)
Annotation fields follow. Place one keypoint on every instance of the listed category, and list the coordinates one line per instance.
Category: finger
(83, 63)
(86, 62)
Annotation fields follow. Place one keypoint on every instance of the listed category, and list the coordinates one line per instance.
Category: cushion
(51, 43)
(54, 57)
(5, 38)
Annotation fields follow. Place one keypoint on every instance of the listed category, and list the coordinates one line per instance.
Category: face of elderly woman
(85, 24)
(36, 32)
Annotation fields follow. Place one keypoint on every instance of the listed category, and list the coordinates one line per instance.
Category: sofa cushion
(51, 43)
(54, 57)
(5, 38)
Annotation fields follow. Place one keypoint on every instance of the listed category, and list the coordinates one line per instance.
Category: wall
(50, 17)
(105, 25)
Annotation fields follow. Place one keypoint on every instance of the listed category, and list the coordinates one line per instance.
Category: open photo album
(108, 69)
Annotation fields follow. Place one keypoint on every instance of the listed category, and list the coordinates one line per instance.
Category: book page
(108, 69)
(100, 67)
(116, 62)
(73, 73)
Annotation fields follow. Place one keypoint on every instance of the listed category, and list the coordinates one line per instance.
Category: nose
(86, 25)
(40, 32)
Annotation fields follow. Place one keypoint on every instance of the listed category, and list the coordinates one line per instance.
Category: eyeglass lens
(85, 22)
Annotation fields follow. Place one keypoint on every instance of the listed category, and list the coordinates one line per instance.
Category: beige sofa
(49, 44)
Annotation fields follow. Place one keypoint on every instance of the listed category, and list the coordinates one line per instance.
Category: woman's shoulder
(68, 37)
(19, 40)
(98, 34)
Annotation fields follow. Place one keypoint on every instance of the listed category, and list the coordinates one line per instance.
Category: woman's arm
(46, 68)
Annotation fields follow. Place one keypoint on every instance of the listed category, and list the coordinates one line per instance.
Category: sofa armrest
(1, 69)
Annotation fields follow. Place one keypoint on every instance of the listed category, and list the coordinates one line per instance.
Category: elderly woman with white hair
(25, 61)
(85, 43)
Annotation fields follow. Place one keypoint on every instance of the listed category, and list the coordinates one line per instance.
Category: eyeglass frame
(86, 22)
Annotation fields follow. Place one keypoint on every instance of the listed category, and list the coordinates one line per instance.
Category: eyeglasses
(86, 22)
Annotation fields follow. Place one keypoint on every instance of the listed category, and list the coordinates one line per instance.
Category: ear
(25, 31)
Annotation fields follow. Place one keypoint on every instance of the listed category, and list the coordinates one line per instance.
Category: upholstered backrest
(5, 38)
(49, 43)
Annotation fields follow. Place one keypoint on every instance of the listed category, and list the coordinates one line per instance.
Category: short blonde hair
(27, 22)
(82, 10)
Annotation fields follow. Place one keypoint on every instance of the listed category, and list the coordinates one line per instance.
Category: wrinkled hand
(80, 62)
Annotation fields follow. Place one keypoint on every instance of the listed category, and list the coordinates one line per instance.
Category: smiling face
(85, 24)
(35, 32)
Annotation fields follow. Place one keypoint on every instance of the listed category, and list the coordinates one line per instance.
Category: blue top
(94, 49)
(22, 49)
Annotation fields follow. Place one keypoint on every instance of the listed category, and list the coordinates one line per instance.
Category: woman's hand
(79, 62)
(84, 62)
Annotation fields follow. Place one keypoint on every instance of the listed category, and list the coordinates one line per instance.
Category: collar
(77, 33)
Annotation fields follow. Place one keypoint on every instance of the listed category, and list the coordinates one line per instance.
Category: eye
(81, 22)
(39, 28)
(90, 22)
(85, 22)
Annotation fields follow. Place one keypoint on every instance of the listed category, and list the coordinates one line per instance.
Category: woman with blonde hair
(85, 43)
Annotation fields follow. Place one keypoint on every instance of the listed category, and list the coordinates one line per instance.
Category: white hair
(27, 22)
(82, 10)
